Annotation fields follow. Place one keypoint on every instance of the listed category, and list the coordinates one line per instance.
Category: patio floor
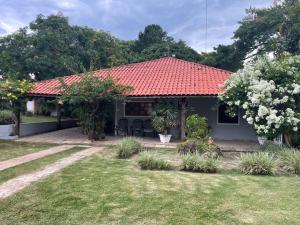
(75, 136)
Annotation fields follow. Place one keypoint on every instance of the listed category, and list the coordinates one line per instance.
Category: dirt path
(33, 156)
(17, 184)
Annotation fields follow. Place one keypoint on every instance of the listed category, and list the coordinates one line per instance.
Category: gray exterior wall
(207, 106)
(204, 106)
(27, 129)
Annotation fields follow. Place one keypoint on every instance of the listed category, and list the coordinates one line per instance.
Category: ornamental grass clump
(289, 161)
(6, 117)
(128, 147)
(259, 163)
(197, 163)
(150, 161)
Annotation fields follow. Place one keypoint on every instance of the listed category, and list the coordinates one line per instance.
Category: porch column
(58, 114)
(116, 117)
(182, 118)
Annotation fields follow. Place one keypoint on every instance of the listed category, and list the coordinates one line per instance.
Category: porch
(75, 136)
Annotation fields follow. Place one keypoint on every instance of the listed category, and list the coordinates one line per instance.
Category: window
(223, 117)
(138, 108)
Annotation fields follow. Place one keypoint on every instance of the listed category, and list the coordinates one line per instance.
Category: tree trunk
(287, 139)
(18, 121)
(182, 118)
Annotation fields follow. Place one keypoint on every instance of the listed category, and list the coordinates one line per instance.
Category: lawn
(36, 164)
(38, 119)
(12, 149)
(105, 190)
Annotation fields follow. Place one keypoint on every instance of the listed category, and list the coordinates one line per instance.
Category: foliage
(13, 94)
(199, 146)
(150, 161)
(197, 163)
(259, 163)
(225, 57)
(164, 117)
(51, 47)
(128, 147)
(196, 127)
(268, 90)
(274, 29)
(90, 97)
(289, 160)
(6, 117)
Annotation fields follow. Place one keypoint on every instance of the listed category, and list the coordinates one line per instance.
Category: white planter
(262, 140)
(165, 138)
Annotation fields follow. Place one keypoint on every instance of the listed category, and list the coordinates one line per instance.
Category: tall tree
(225, 57)
(153, 34)
(275, 29)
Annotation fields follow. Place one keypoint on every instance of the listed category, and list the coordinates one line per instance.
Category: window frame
(231, 124)
(127, 116)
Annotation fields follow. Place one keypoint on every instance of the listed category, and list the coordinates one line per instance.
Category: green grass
(35, 165)
(105, 190)
(38, 119)
(12, 149)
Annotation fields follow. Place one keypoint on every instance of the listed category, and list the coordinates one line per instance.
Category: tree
(153, 34)
(225, 57)
(275, 29)
(269, 92)
(14, 51)
(55, 48)
(13, 93)
(90, 97)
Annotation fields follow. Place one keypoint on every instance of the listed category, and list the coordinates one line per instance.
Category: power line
(205, 26)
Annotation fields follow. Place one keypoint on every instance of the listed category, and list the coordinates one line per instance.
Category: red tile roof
(165, 76)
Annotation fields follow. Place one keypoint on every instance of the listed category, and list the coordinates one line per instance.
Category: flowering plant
(268, 90)
(13, 90)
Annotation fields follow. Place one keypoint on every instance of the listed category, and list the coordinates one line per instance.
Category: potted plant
(164, 117)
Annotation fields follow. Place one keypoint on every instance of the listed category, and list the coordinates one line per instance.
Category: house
(191, 86)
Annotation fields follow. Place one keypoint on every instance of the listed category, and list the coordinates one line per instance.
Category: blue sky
(182, 19)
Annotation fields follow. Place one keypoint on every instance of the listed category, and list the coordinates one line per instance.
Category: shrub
(6, 117)
(198, 146)
(290, 160)
(149, 161)
(188, 147)
(197, 163)
(259, 163)
(196, 127)
(164, 117)
(128, 147)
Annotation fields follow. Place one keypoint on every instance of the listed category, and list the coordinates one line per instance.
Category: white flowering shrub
(269, 92)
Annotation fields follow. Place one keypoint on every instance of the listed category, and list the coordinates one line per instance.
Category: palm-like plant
(164, 117)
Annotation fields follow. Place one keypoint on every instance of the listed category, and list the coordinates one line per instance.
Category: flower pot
(165, 138)
(262, 140)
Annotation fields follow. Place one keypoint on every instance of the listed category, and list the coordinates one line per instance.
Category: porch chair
(148, 128)
(122, 127)
(137, 127)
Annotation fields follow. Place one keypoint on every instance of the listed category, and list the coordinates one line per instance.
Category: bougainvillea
(268, 91)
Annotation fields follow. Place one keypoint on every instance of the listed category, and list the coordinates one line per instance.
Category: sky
(182, 19)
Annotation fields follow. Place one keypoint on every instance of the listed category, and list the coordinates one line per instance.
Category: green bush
(199, 146)
(197, 163)
(290, 160)
(6, 117)
(149, 161)
(258, 163)
(196, 127)
(128, 147)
